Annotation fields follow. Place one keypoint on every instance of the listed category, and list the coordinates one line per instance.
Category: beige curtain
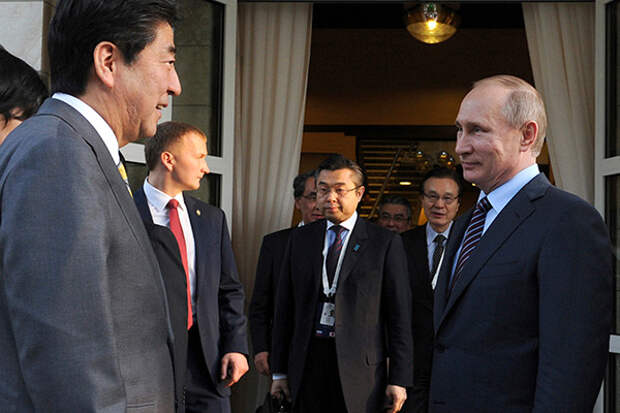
(272, 73)
(560, 38)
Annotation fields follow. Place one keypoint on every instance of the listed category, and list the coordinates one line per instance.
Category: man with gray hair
(523, 303)
(394, 213)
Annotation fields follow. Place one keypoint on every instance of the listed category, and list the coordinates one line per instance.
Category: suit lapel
(355, 248)
(143, 206)
(511, 217)
(106, 164)
(315, 244)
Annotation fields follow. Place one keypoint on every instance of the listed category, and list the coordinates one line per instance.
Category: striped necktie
(472, 237)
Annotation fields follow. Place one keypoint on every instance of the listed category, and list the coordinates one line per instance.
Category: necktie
(334, 252)
(123, 172)
(177, 230)
(439, 239)
(472, 237)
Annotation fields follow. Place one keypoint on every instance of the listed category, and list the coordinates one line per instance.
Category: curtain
(560, 39)
(272, 72)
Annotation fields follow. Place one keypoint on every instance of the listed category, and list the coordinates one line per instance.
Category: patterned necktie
(472, 237)
(177, 230)
(123, 172)
(439, 239)
(334, 252)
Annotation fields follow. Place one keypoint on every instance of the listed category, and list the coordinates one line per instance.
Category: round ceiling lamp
(431, 22)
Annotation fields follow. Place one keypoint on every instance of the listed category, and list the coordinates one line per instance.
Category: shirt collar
(158, 199)
(431, 233)
(348, 224)
(500, 196)
(101, 126)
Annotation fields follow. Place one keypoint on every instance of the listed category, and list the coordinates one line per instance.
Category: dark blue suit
(526, 328)
(219, 294)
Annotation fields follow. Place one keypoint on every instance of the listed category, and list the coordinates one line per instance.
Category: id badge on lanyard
(325, 319)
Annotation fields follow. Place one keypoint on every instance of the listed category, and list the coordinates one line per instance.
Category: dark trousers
(321, 390)
(201, 395)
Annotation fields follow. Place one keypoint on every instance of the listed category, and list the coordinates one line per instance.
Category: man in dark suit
(217, 342)
(83, 314)
(394, 213)
(262, 306)
(440, 192)
(343, 307)
(523, 304)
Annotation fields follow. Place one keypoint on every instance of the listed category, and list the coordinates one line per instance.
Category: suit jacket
(219, 293)
(169, 257)
(262, 306)
(422, 320)
(83, 313)
(373, 312)
(526, 327)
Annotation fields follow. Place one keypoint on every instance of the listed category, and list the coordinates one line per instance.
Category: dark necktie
(177, 230)
(439, 239)
(334, 253)
(472, 237)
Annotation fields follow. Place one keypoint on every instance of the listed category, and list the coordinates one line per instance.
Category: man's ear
(297, 203)
(167, 160)
(106, 62)
(529, 132)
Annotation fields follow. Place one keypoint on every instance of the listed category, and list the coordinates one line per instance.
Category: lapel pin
(198, 212)
(357, 247)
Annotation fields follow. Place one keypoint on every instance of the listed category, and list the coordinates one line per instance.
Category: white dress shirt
(157, 201)
(330, 237)
(101, 126)
(499, 198)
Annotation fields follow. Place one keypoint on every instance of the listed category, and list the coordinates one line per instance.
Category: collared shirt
(330, 236)
(501, 195)
(101, 126)
(430, 247)
(158, 201)
(499, 198)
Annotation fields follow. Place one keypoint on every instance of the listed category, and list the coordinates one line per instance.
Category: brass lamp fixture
(431, 22)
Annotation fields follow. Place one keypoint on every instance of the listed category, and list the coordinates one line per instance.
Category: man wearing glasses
(441, 191)
(343, 306)
(268, 271)
(394, 213)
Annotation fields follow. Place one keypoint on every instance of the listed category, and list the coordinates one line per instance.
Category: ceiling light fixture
(431, 22)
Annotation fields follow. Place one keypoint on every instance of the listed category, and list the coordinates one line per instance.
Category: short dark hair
(337, 161)
(443, 173)
(79, 25)
(299, 183)
(396, 200)
(21, 87)
(167, 133)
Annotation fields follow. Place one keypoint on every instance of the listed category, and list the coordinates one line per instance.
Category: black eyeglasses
(446, 198)
(310, 197)
(340, 192)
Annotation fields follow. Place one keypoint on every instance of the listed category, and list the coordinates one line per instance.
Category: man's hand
(261, 361)
(397, 395)
(279, 388)
(234, 366)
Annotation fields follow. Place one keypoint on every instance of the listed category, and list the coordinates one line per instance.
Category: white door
(607, 165)
(206, 48)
